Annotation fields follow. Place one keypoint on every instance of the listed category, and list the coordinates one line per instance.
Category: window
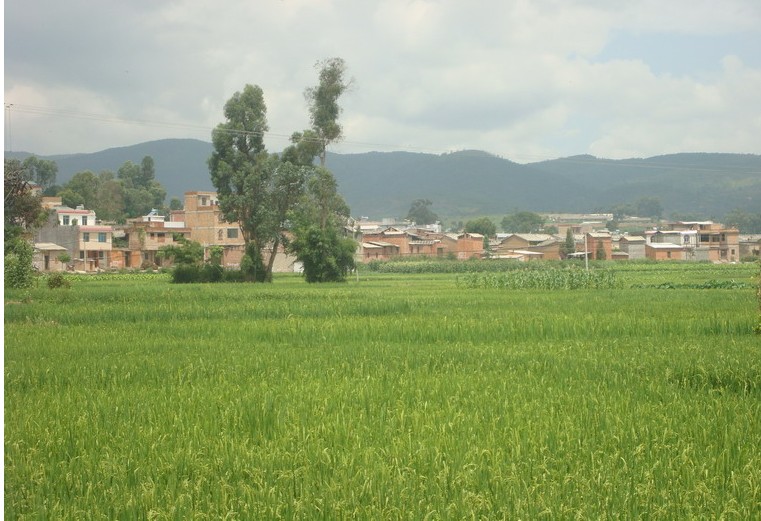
(219, 235)
(101, 255)
(232, 233)
(84, 220)
(65, 220)
(86, 237)
(668, 254)
(81, 255)
(101, 237)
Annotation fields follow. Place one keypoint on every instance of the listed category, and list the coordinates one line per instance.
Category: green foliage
(132, 192)
(421, 213)
(40, 171)
(323, 103)
(64, 258)
(745, 222)
(482, 225)
(186, 253)
(599, 251)
(757, 329)
(18, 269)
(397, 397)
(186, 274)
(642, 207)
(548, 279)
(522, 222)
(256, 189)
(175, 204)
(216, 253)
(22, 208)
(57, 280)
(569, 245)
(326, 257)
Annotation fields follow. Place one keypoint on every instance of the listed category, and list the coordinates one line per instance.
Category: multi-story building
(700, 240)
(206, 224)
(77, 233)
(144, 239)
(203, 218)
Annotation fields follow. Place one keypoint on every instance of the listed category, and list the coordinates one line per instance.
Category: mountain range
(473, 183)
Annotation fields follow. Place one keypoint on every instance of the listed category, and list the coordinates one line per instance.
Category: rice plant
(395, 397)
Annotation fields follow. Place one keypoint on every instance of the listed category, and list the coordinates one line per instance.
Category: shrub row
(709, 284)
(191, 273)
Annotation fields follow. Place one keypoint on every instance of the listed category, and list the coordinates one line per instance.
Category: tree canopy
(522, 222)
(130, 192)
(482, 225)
(323, 104)
(421, 213)
(22, 213)
(285, 199)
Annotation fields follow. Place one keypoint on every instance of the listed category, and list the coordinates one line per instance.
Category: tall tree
(569, 245)
(242, 172)
(22, 213)
(482, 225)
(421, 213)
(318, 221)
(323, 104)
(40, 171)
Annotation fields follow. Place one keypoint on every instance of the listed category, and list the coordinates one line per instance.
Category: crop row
(549, 279)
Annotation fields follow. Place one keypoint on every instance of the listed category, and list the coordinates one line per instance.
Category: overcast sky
(523, 79)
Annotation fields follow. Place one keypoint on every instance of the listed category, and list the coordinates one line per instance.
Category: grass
(395, 397)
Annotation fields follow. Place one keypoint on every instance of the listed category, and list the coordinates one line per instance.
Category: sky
(526, 80)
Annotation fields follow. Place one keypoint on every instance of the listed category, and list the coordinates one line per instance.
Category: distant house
(661, 251)
(701, 240)
(633, 245)
(750, 246)
(145, 236)
(46, 256)
(599, 245)
(375, 250)
(529, 246)
(466, 245)
(77, 230)
(206, 224)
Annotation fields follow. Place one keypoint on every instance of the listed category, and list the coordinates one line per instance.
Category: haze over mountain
(473, 183)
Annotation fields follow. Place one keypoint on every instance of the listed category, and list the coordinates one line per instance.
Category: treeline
(131, 191)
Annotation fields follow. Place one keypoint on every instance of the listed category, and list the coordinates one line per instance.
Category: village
(75, 240)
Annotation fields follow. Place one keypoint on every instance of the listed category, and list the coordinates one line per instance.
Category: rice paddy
(393, 396)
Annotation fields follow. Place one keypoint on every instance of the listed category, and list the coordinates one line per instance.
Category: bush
(233, 276)
(211, 273)
(18, 269)
(57, 280)
(186, 274)
(192, 273)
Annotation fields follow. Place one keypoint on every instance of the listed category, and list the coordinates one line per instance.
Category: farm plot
(395, 397)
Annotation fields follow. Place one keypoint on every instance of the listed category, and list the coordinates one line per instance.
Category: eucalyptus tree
(255, 189)
(323, 104)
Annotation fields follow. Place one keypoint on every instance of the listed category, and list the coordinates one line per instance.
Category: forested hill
(473, 183)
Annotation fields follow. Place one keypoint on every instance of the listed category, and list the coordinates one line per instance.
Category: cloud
(517, 78)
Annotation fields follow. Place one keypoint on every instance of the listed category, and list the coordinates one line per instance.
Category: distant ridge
(473, 183)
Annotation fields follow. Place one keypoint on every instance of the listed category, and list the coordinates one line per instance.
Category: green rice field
(392, 396)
